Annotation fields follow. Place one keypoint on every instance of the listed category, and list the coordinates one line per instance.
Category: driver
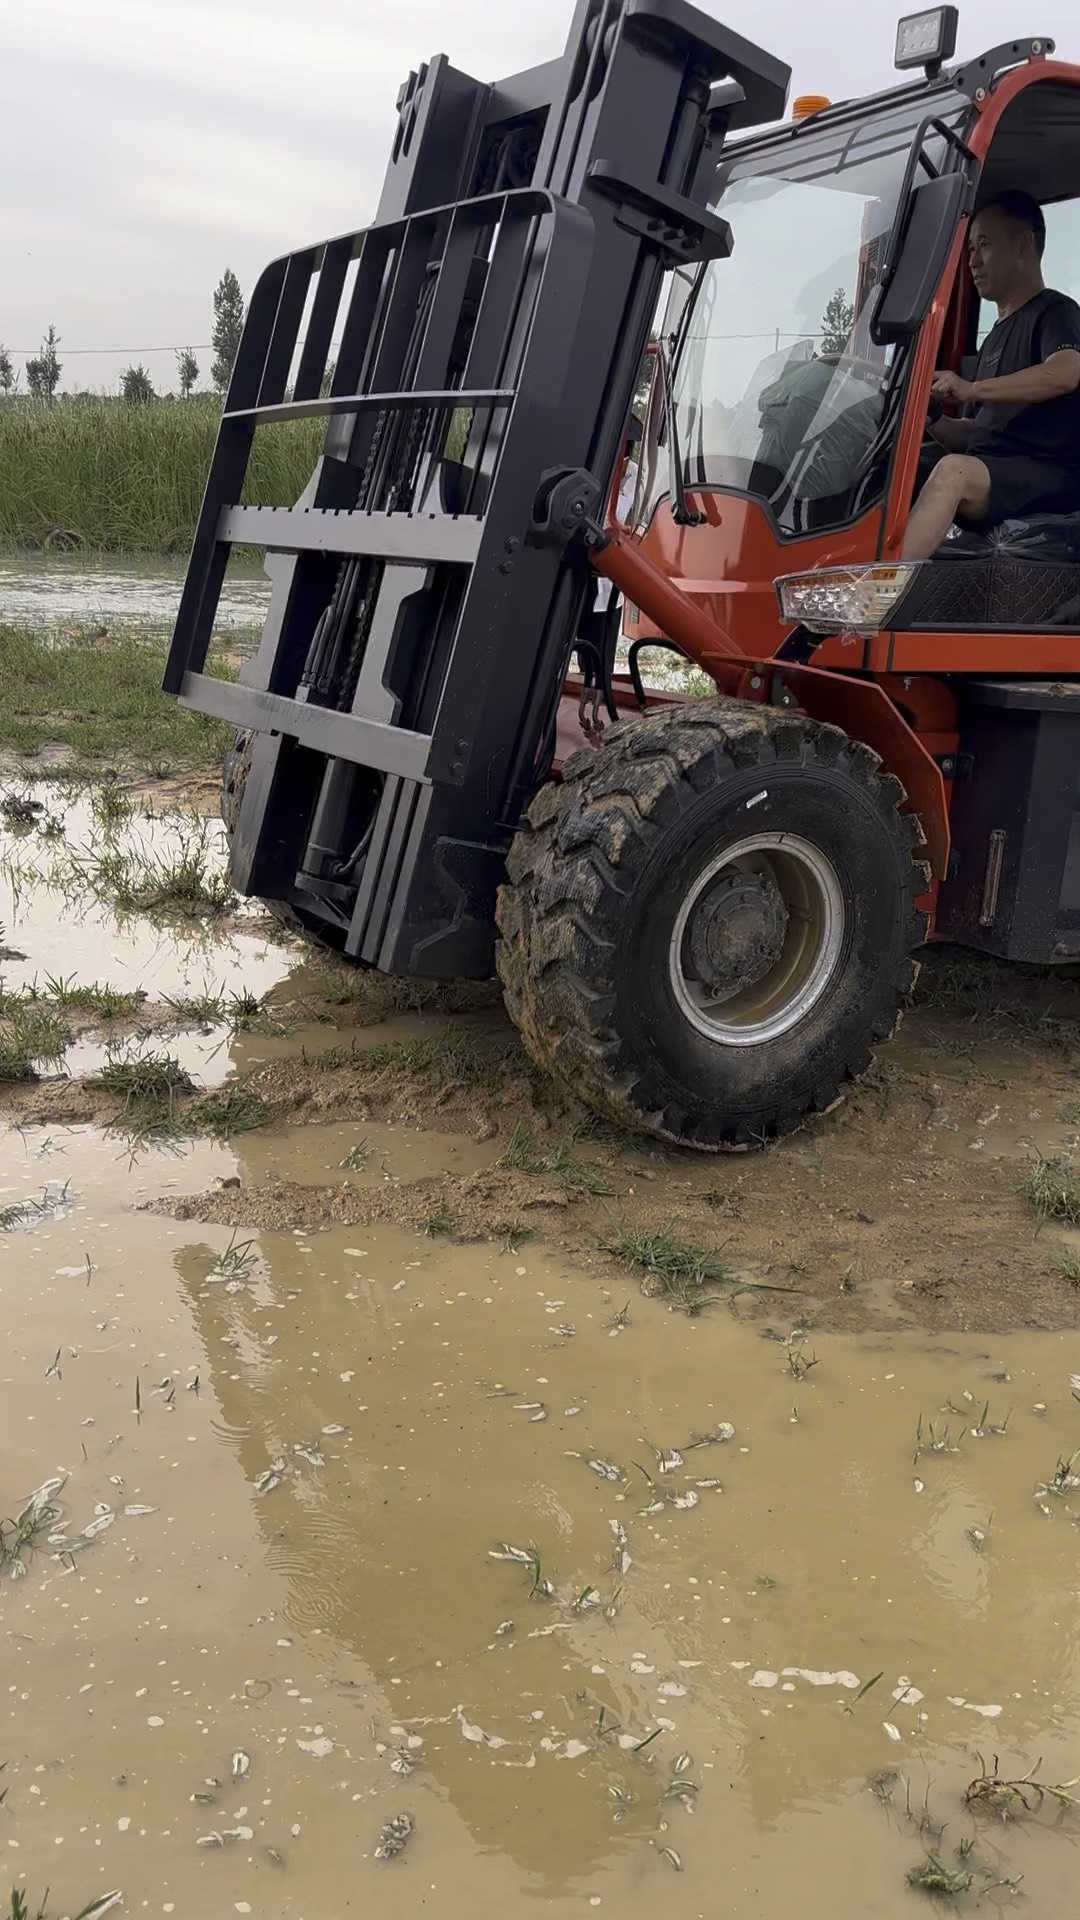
(1018, 452)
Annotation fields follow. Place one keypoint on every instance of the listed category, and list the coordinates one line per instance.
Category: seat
(1022, 574)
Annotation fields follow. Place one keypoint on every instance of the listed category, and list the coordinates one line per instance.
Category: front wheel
(709, 922)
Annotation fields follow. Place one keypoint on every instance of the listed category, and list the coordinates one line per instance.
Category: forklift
(705, 912)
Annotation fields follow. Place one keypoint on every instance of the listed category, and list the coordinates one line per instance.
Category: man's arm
(1058, 375)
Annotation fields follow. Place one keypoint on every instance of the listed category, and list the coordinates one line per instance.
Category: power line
(205, 347)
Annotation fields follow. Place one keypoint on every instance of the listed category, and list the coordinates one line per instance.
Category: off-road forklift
(704, 911)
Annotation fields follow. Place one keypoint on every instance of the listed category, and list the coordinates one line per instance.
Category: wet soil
(438, 1528)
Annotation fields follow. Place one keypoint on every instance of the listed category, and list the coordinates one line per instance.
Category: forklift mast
(489, 329)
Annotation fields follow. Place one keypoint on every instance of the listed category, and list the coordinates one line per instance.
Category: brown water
(350, 1633)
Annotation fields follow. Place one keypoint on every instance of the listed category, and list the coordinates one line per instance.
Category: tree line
(43, 369)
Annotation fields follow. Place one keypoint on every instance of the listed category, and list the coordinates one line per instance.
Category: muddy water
(41, 590)
(349, 1634)
(60, 928)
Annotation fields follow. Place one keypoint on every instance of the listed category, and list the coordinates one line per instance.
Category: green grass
(103, 702)
(472, 1061)
(675, 1269)
(28, 1034)
(1053, 1188)
(109, 1003)
(148, 1083)
(180, 879)
(231, 1110)
(90, 472)
(558, 1164)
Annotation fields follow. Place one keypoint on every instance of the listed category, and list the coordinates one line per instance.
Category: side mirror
(935, 209)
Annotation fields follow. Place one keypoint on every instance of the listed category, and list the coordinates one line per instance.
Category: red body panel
(710, 587)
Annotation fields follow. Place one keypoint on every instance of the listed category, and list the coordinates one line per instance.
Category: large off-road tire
(709, 921)
(234, 772)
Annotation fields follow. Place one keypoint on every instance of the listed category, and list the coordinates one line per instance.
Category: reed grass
(89, 471)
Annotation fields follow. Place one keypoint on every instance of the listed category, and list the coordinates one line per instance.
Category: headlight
(844, 599)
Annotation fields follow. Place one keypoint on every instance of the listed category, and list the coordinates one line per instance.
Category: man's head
(1005, 247)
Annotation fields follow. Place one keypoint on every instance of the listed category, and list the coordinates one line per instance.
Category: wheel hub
(736, 933)
(757, 939)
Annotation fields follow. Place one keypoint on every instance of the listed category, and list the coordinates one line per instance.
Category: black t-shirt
(1049, 431)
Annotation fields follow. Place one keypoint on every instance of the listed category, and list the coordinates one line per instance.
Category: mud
(446, 1584)
(715, 1703)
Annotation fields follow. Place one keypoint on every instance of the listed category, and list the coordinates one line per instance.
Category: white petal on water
(894, 1733)
(909, 1695)
(319, 1747)
(311, 1455)
(988, 1713)
(237, 1833)
(41, 1496)
(102, 1507)
(669, 1461)
(763, 1678)
(685, 1500)
(99, 1525)
(605, 1469)
(266, 1481)
(476, 1734)
(920, 1486)
(333, 1428)
(672, 1690)
(209, 1840)
(639, 1666)
(136, 1512)
(506, 1552)
(241, 1764)
(104, 1903)
(841, 1679)
(574, 1749)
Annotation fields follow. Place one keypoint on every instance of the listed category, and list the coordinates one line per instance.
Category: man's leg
(959, 484)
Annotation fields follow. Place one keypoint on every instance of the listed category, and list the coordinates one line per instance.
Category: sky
(146, 145)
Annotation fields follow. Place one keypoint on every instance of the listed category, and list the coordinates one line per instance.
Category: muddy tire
(709, 923)
(234, 772)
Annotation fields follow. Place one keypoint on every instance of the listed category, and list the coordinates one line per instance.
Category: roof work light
(926, 39)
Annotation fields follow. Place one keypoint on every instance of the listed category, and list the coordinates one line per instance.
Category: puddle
(40, 590)
(350, 1633)
(54, 920)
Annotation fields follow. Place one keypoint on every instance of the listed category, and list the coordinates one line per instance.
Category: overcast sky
(145, 145)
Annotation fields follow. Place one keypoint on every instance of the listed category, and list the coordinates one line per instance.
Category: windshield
(780, 391)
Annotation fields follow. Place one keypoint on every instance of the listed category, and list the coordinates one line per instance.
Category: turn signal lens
(808, 103)
(844, 599)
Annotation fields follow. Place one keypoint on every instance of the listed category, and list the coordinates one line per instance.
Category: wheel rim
(757, 939)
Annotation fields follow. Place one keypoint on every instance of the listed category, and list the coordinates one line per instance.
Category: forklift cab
(802, 365)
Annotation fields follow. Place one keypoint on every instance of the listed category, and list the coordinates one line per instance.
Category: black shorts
(1020, 488)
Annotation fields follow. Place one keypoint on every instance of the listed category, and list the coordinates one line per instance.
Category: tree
(7, 371)
(187, 371)
(836, 323)
(136, 386)
(228, 326)
(43, 370)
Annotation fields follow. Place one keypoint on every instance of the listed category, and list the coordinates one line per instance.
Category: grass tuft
(560, 1165)
(675, 1270)
(1052, 1186)
(148, 1086)
(933, 1876)
(231, 1110)
(464, 1057)
(28, 1034)
(111, 1003)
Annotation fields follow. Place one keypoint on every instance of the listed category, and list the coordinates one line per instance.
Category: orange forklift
(705, 912)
